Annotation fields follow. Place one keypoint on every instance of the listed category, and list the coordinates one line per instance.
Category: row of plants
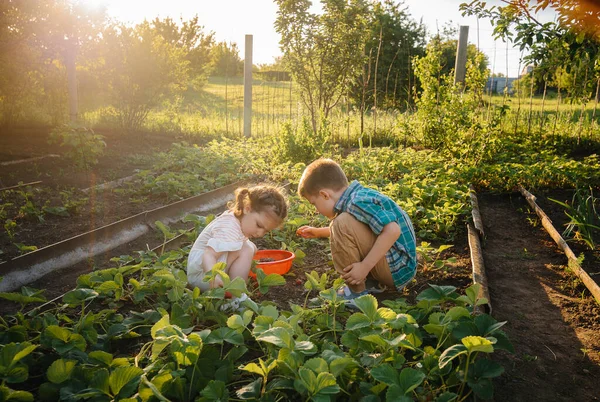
(179, 173)
(135, 332)
(429, 184)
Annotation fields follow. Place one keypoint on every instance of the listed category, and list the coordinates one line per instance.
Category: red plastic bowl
(281, 265)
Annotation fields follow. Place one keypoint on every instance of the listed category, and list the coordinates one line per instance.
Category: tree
(226, 61)
(323, 51)
(143, 70)
(36, 36)
(394, 39)
(572, 42)
(196, 45)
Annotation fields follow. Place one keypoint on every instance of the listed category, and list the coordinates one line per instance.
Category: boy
(370, 235)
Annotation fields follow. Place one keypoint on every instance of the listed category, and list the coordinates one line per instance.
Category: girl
(256, 211)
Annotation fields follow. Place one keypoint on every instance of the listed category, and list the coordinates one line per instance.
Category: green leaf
(235, 322)
(376, 339)
(317, 365)
(485, 368)
(451, 353)
(455, 313)
(483, 388)
(396, 394)
(160, 324)
(78, 296)
(446, 397)
(386, 314)
(502, 342)
(215, 391)
(122, 376)
(60, 370)
(487, 325)
(101, 381)
(386, 374)
(21, 298)
(437, 293)
(410, 379)
(108, 286)
(270, 311)
(477, 344)
(102, 357)
(224, 334)
(250, 391)
(8, 394)
(299, 254)
(342, 364)
(277, 336)
(356, 321)
(253, 368)
(465, 328)
(308, 378)
(165, 230)
(368, 305)
(306, 347)
(326, 384)
(264, 283)
(24, 350)
(16, 374)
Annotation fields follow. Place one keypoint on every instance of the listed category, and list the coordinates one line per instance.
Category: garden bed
(552, 323)
(58, 208)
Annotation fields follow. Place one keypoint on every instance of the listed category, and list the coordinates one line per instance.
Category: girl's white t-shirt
(223, 234)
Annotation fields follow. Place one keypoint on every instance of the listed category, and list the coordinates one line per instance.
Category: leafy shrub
(302, 145)
(83, 145)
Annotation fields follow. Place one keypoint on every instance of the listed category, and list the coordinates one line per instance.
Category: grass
(217, 111)
(550, 103)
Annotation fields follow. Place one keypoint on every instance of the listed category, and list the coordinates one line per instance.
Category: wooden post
(72, 83)
(460, 66)
(248, 87)
(530, 102)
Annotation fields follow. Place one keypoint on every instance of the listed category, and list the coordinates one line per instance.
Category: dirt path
(556, 333)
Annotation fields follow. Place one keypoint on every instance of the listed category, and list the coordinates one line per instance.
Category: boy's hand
(356, 273)
(308, 232)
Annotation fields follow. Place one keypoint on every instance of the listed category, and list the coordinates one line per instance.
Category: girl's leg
(240, 262)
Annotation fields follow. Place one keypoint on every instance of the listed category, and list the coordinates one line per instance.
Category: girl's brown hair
(260, 198)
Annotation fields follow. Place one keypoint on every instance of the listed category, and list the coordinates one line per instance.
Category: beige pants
(351, 241)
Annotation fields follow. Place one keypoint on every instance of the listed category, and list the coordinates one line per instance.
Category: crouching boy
(371, 237)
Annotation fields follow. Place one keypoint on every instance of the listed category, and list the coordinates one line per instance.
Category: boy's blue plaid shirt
(377, 210)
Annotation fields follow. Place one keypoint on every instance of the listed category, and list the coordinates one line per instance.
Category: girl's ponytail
(240, 199)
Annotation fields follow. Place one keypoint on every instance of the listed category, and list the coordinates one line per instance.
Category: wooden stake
(33, 183)
(475, 212)
(562, 244)
(479, 276)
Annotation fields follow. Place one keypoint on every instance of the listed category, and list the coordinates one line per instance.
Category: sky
(231, 20)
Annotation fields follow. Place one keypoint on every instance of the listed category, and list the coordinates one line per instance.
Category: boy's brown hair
(322, 173)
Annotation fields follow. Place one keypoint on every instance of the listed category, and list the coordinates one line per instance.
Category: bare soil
(552, 321)
(125, 154)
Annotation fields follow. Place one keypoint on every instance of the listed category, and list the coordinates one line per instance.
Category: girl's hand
(308, 232)
(216, 283)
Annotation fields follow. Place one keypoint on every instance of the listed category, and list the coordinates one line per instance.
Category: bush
(83, 145)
